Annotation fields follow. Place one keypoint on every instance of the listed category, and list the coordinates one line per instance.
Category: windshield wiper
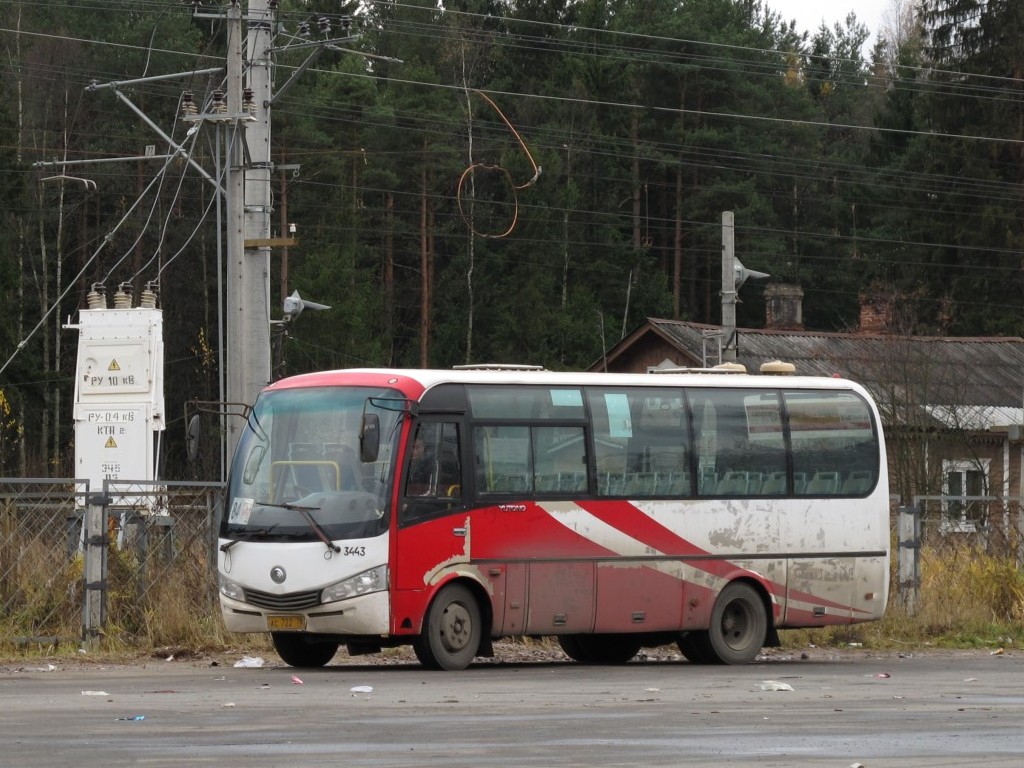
(257, 533)
(313, 524)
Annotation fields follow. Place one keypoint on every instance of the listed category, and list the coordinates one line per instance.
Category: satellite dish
(192, 435)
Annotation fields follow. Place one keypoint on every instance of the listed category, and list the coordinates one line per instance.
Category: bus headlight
(228, 588)
(373, 580)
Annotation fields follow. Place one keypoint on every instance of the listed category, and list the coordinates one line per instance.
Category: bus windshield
(297, 474)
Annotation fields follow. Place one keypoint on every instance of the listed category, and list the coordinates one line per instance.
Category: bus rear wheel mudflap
(738, 628)
(600, 649)
(297, 649)
(452, 630)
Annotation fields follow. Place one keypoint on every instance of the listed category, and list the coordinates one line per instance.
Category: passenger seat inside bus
(680, 484)
(344, 458)
(707, 481)
(641, 484)
(774, 484)
(306, 471)
(733, 483)
(823, 484)
(858, 482)
(508, 483)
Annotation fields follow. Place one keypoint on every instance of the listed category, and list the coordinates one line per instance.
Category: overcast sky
(810, 13)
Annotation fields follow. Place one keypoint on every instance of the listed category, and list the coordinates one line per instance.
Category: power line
(74, 281)
(593, 102)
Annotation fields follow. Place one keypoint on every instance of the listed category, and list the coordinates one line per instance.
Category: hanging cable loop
(498, 169)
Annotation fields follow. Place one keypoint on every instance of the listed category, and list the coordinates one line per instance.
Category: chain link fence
(151, 576)
(959, 560)
(129, 562)
(41, 588)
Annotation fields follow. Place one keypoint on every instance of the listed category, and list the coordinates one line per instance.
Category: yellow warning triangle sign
(113, 366)
(110, 443)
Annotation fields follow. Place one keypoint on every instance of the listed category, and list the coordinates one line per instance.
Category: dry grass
(41, 594)
(163, 601)
(970, 597)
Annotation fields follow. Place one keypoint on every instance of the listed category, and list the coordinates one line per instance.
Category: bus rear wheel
(599, 649)
(451, 630)
(297, 650)
(696, 647)
(739, 625)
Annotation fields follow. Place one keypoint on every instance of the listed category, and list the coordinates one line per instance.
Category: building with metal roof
(942, 374)
(953, 407)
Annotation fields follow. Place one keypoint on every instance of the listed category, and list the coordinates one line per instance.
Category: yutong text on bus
(445, 509)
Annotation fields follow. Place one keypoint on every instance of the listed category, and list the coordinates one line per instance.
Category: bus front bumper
(360, 616)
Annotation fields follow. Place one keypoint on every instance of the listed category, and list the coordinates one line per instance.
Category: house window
(965, 483)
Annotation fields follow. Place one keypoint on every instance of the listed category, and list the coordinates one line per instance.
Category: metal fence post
(1019, 534)
(94, 605)
(909, 556)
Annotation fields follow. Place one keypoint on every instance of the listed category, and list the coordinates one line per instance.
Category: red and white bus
(445, 509)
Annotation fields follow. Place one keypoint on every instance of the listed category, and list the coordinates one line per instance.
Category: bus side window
(833, 443)
(641, 441)
(559, 455)
(434, 475)
(449, 467)
(741, 447)
(421, 467)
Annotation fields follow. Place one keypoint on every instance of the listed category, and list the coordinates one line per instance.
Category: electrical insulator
(188, 105)
(303, 29)
(147, 300)
(248, 103)
(324, 25)
(218, 105)
(346, 23)
(123, 296)
(96, 298)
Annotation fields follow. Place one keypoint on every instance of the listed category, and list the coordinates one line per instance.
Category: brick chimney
(784, 307)
(876, 311)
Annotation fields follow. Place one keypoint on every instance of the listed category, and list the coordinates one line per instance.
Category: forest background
(505, 180)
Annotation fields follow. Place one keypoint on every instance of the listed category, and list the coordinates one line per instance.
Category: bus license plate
(285, 623)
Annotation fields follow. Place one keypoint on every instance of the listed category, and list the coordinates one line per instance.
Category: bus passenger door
(433, 532)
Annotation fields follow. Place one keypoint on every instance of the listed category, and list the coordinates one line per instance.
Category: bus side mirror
(369, 438)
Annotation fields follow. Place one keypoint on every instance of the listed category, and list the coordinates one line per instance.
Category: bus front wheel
(739, 625)
(296, 650)
(451, 630)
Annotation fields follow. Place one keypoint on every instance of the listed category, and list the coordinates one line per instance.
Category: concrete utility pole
(244, 110)
(729, 286)
(734, 275)
(241, 113)
(248, 212)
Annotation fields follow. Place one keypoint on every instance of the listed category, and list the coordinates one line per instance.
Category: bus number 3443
(360, 551)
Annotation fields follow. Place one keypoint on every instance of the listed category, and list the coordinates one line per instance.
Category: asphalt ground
(842, 709)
